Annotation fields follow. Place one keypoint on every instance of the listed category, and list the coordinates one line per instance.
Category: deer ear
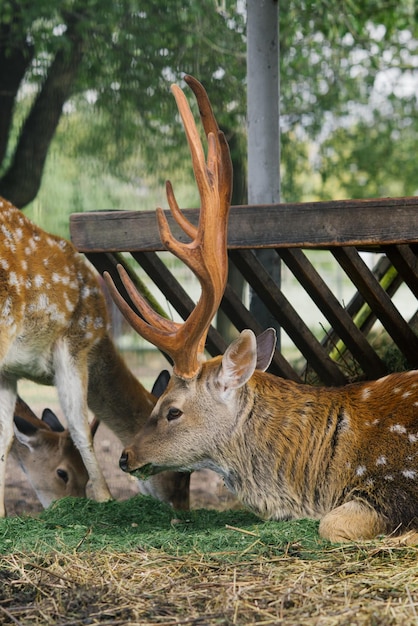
(238, 362)
(49, 418)
(266, 345)
(161, 383)
(24, 431)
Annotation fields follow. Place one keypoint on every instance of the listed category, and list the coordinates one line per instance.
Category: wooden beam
(366, 223)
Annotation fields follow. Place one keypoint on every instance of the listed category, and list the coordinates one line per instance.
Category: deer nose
(123, 461)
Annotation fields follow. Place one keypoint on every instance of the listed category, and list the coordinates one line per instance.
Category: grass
(137, 562)
(141, 522)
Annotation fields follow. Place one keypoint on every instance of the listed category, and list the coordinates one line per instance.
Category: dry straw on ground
(355, 585)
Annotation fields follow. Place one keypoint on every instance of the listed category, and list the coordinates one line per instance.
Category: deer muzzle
(127, 464)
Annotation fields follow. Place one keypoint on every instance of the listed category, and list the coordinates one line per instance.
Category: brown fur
(347, 456)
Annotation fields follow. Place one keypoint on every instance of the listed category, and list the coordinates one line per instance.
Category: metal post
(263, 124)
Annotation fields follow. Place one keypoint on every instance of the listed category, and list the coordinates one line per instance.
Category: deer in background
(346, 456)
(47, 455)
(54, 331)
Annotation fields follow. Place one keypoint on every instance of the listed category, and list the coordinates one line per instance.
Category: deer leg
(351, 521)
(7, 405)
(71, 379)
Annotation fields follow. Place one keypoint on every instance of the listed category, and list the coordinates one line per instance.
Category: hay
(352, 585)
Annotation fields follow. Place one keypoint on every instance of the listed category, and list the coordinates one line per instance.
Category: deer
(47, 455)
(346, 456)
(54, 330)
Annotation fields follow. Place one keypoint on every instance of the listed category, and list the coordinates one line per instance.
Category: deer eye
(63, 475)
(173, 413)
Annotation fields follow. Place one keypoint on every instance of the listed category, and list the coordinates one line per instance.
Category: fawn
(346, 456)
(54, 331)
(47, 455)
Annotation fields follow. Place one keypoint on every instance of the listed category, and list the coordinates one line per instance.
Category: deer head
(47, 455)
(206, 255)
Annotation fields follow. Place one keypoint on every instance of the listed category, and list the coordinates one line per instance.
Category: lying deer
(348, 456)
(47, 455)
(54, 330)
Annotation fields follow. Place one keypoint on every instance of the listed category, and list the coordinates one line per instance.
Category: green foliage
(142, 522)
(348, 114)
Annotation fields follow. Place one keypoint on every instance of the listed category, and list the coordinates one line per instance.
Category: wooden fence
(387, 225)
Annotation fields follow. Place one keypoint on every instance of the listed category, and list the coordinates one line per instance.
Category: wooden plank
(368, 222)
(379, 301)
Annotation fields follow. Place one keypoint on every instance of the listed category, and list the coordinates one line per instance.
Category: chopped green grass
(142, 522)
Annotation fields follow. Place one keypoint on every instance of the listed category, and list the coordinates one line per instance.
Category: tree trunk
(22, 180)
(14, 62)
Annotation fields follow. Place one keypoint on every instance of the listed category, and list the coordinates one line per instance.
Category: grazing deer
(47, 455)
(54, 330)
(347, 456)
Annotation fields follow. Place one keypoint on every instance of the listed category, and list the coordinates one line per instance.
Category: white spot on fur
(398, 428)
(98, 322)
(413, 437)
(373, 423)
(14, 280)
(409, 474)
(381, 460)
(365, 393)
(361, 470)
(389, 477)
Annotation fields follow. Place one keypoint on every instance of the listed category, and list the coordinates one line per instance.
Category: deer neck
(278, 481)
(115, 396)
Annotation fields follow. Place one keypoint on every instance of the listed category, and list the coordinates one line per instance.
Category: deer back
(47, 292)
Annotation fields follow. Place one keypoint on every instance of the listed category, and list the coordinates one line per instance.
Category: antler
(206, 255)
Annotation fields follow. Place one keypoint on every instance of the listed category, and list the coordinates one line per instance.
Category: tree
(116, 58)
(345, 74)
(123, 53)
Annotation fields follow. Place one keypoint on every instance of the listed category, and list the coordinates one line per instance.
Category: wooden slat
(287, 317)
(338, 317)
(357, 301)
(309, 225)
(375, 295)
(406, 263)
(242, 318)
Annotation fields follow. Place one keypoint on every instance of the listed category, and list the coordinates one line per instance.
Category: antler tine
(206, 255)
